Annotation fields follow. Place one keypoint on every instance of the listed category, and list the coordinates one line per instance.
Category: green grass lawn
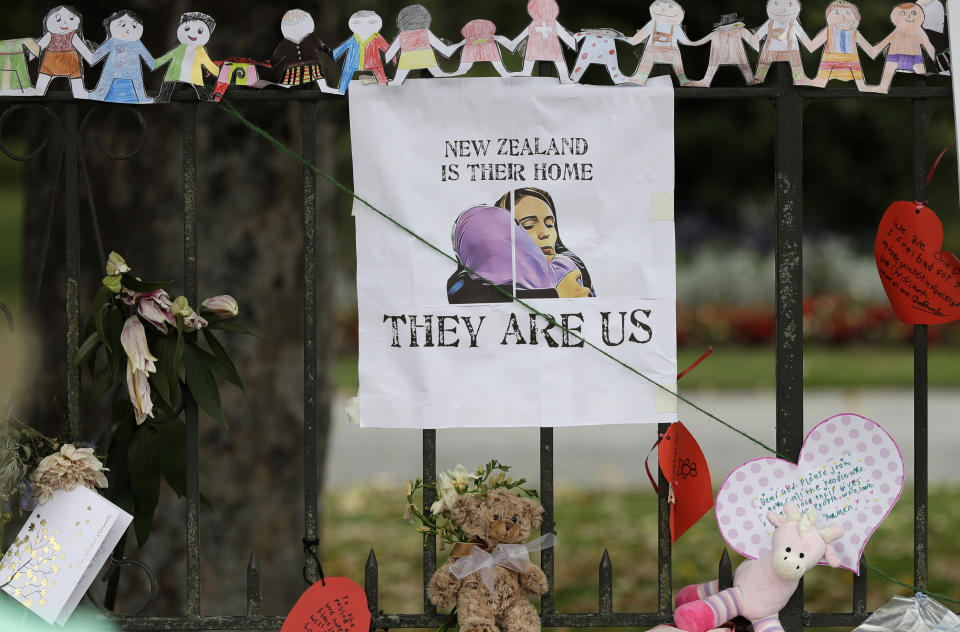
(625, 523)
(753, 367)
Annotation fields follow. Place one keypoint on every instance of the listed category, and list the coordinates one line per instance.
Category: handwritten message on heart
(850, 470)
(921, 281)
(685, 468)
(338, 606)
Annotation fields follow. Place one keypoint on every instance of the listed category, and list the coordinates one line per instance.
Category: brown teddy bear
(499, 518)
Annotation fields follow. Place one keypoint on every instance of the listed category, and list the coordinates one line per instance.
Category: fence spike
(606, 583)
(725, 572)
(860, 588)
(254, 596)
(371, 582)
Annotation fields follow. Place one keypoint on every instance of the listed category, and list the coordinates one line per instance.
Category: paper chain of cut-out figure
(918, 28)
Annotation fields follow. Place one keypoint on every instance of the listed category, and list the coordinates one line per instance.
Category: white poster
(560, 196)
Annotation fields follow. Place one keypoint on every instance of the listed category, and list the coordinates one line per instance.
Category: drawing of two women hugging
(541, 266)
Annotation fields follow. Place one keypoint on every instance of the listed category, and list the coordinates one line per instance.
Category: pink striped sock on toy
(708, 590)
(726, 605)
(768, 624)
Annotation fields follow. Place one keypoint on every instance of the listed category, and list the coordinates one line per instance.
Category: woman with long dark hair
(542, 265)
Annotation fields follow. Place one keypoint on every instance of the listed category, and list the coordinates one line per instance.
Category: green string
(227, 106)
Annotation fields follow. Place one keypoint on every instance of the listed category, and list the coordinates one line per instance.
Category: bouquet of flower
(21, 450)
(152, 353)
(449, 486)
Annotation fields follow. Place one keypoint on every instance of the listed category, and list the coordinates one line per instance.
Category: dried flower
(66, 469)
(134, 341)
(154, 308)
(116, 265)
(180, 307)
(138, 388)
(193, 321)
(113, 283)
(224, 306)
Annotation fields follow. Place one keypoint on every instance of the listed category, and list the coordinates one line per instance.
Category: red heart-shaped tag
(921, 281)
(338, 606)
(685, 468)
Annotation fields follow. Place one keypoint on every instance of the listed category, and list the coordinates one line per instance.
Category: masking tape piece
(663, 207)
(664, 401)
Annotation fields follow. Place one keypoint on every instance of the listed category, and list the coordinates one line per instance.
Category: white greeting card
(60, 550)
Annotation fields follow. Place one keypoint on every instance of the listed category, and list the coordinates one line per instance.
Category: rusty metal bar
(920, 394)
(189, 123)
(71, 188)
(547, 604)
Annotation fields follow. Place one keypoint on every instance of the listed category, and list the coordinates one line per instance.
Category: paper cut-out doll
(480, 44)
(726, 48)
(598, 47)
(663, 35)
(122, 78)
(189, 59)
(238, 71)
(63, 46)
(782, 35)
(934, 23)
(841, 38)
(298, 55)
(905, 45)
(543, 38)
(416, 44)
(14, 78)
(362, 49)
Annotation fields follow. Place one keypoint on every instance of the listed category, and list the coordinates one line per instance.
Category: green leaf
(217, 363)
(131, 283)
(87, 349)
(101, 385)
(165, 379)
(144, 465)
(172, 441)
(112, 328)
(99, 302)
(229, 325)
(201, 382)
(123, 426)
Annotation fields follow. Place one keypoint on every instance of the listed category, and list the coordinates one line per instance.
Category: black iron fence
(788, 103)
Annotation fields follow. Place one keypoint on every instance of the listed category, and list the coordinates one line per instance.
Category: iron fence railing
(788, 102)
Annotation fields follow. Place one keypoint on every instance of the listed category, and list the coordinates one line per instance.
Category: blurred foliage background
(858, 159)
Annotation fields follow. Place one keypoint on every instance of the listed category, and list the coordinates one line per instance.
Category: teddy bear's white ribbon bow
(515, 557)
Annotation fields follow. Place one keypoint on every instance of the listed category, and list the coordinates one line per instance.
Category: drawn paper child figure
(543, 38)
(14, 78)
(62, 44)
(362, 49)
(934, 23)
(416, 44)
(663, 35)
(726, 48)
(480, 44)
(122, 78)
(841, 38)
(598, 46)
(781, 35)
(298, 55)
(905, 45)
(189, 59)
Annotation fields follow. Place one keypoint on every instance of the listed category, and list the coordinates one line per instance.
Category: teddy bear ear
(534, 511)
(466, 510)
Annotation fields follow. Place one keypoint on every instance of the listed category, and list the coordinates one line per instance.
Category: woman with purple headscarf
(545, 267)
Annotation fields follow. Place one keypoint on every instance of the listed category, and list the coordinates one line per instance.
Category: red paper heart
(921, 281)
(685, 468)
(338, 606)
